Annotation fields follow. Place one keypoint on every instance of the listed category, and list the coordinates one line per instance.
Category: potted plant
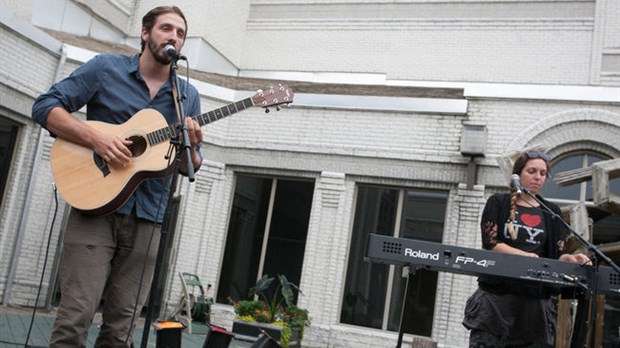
(274, 312)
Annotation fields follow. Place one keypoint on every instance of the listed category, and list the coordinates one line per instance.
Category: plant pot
(249, 331)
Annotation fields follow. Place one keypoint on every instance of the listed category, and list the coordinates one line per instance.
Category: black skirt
(511, 317)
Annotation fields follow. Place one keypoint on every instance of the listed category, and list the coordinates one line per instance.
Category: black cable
(47, 250)
(135, 307)
(170, 166)
(161, 197)
(148, 248)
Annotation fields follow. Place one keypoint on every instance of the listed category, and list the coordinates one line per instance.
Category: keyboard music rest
(456, 259)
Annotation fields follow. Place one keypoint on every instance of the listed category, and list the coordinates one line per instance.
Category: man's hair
(149, 19)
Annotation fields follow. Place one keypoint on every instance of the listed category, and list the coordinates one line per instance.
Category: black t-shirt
(537, 232)
(530, 230)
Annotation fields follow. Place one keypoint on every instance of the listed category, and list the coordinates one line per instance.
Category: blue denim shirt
(112, 89)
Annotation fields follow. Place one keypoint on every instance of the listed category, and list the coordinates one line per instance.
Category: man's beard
(158, 53)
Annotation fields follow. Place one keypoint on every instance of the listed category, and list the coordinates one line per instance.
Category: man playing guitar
(109, 252)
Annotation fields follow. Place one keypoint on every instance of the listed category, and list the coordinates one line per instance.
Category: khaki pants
(103, 253)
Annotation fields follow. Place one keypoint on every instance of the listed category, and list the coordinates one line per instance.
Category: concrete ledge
(24, 28)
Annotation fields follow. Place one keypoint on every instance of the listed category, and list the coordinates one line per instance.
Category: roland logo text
(419, 254)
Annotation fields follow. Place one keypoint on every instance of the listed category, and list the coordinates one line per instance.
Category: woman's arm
(576, 258)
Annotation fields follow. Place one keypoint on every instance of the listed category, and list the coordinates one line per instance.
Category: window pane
(572, 192)
(552, 190)
(420, 306)
(246, 232)
(289, 229)
(605, 225)
(366, 284)
(244, 238)
(423, 218)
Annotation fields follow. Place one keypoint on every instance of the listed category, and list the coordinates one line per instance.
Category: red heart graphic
(530, 220)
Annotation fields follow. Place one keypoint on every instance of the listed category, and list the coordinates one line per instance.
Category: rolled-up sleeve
(71, 93)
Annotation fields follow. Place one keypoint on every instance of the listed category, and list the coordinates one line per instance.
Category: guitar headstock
(273, 96)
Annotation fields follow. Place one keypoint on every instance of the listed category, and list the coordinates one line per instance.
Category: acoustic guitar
(92, 186)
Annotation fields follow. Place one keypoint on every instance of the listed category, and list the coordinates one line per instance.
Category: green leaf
(261, 285)
(287, 291)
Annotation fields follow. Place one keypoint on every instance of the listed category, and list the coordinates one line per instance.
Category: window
(374, 293)
(266, 233)
(8, 137)
(605, 225)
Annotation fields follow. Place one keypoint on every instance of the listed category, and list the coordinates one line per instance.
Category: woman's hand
(580, 258)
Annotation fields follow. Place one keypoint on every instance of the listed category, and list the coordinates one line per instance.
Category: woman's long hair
(517, 168)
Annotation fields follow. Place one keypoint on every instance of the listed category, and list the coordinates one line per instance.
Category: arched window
(605, 225)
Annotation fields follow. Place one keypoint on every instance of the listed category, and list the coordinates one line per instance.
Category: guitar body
(92, 186)
(89, 184)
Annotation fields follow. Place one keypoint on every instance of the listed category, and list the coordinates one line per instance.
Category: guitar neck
(169, 132)
(224, 111)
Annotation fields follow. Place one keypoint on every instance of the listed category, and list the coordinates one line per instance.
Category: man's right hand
(112, 149)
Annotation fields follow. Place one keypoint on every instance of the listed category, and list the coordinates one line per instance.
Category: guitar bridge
(100, 163)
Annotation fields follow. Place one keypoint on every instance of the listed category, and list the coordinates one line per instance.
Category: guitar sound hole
(138, 147)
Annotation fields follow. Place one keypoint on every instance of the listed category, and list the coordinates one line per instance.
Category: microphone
(172, 53)
(516, 183)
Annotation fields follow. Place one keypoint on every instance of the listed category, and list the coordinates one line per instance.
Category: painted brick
(336, 148)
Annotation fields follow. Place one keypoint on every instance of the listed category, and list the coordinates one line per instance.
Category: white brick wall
(457, 51)
(612, 27)
(359, 133)
(220, 23)
(22, 9)
(462, 228)
(23, 77)
(337, 148)
(327, 242)
(517, 41)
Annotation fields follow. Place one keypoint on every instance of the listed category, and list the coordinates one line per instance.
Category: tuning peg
(267, 110)
(277, 107)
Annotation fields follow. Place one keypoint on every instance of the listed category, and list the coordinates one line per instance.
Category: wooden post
(564, 326)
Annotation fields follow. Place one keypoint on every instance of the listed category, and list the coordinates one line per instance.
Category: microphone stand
(597, 256)
(157, 283)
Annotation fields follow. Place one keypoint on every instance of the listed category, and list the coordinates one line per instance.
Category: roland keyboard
(455, 259)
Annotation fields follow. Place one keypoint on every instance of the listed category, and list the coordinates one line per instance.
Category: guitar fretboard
(170, 132)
